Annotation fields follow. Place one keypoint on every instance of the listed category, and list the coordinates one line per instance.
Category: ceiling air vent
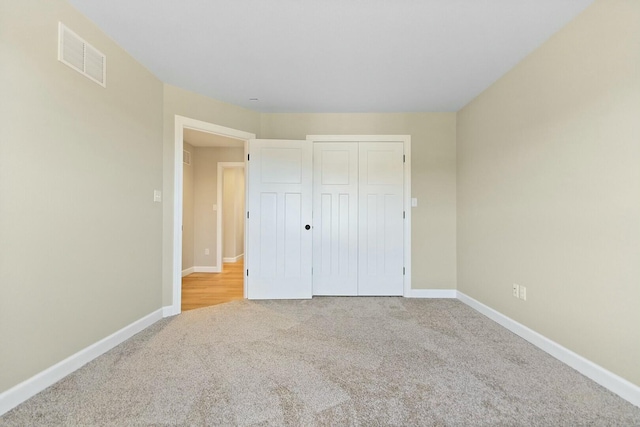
(81, 56)
(186, 157)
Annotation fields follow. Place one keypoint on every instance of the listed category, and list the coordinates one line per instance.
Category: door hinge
(248, 157)
(404, 213)
(403, 271)
(247, 272)
(404, 158)
(247, 214)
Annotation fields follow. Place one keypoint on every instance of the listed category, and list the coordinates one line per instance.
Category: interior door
(381, 219)
(279, 224)
(335, 214)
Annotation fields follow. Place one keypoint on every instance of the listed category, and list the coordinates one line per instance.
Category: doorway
(203, 261)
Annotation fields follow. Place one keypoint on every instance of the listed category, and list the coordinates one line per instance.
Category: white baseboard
(30, 387)
(207, 269)
(233, 259)
(431, 293)
(196, 269)
(597, 373)
(169, 310)
(11, 398)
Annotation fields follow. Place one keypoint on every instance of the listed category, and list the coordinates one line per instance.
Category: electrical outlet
(523, 293)
(516, 291)
(206, 251)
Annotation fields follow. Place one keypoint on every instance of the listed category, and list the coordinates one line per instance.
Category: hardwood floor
(205, 289)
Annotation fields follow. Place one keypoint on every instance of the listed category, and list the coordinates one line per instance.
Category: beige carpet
(326, 361)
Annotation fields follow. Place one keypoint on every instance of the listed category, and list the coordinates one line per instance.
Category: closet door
(335, 218)
(279, 224)
(381, 218)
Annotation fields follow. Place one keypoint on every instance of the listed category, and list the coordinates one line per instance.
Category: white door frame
(182, 123)
(406, 140)
(221, 167)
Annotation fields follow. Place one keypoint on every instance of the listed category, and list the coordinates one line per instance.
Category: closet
(328, 216)
(358, 218)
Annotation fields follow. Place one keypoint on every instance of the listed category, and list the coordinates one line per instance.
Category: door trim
(181, 123)
(406, 140)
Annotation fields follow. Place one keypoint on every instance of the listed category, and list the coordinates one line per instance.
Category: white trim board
(168, 311)
(233, 259)
(431, 293)
(618, 385)
(180, 123)
(214, 269)
(197, 269)
(11, 398)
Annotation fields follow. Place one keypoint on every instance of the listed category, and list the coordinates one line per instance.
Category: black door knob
(307, 227)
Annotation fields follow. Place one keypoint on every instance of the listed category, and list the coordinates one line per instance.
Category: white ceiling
(332, 55)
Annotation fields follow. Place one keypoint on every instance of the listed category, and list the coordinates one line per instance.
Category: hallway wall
(188, 210)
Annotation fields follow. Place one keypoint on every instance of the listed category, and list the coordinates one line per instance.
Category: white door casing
(280, 209)
(335, 214)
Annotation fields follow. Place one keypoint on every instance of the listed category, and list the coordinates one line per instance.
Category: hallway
(206, 289)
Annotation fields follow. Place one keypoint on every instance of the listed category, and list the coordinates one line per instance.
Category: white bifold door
(335, 226)
(336, 208)
(279, 224)
(358, 234)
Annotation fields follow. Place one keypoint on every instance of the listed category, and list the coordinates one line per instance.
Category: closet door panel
(335, 218)
(381, 222)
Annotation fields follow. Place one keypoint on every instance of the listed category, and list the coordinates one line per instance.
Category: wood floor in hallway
(205, 289)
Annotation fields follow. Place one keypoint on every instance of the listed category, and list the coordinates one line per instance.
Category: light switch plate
(414, 202)
(157, 195)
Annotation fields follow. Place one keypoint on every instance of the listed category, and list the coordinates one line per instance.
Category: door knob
(307, 227)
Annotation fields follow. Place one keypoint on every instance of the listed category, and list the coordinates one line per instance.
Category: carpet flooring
(326, 361)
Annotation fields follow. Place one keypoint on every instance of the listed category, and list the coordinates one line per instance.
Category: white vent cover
(186, 157)
(81, 56)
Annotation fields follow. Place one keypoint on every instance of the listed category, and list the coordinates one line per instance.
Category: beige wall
(81, 238)
(433, 178)
(549, 189)
(178, 101)
(233, 212)
(188, 209)
(206, 194)
(228, 213)
(240, 211)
